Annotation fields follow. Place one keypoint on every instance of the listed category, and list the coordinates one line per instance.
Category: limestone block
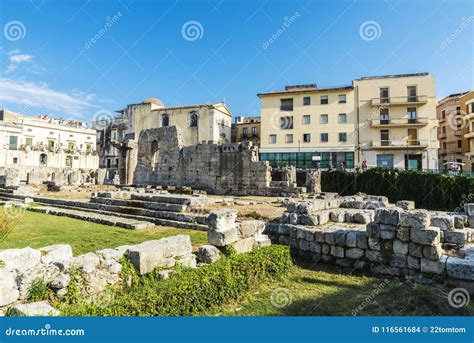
(415, 250)
(388, 216)
(345, 262)
(413, 262)
(340, 237)
(337, 251)
(40, 308)
(373, 230)
(330, 237)
(61, 281)
(285, 218)
(309, 219)
(250, 228)
(373, 243)
(459, 268)
(8, 289)
(433, 267)
(20, 259)
(400, 247)
(469, 209)
(55, 253)
(208, 254)
(373, 256)
(362, 218)
(444, 222)
(262, 241)
(460, 221)
(244, 245)
(387, 231)
(87, 262)
(348, 217)
(45, 272)
(398, 261)
(386, 270)
(303, 245)
(294, 218)
(325, 248)
(319, 236)
(188, 261)
(427, 236)
(355, 253)
(304, 208)
(403, 233)
(456, 237)
(223, 237)
(315, 247)
(222, 219)
(407, 205)
(111, 254)
(417, 219)
(323, 217)
(336, 216)
(432, 252)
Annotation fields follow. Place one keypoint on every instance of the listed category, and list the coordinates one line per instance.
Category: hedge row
(187, 291)
(429, 191)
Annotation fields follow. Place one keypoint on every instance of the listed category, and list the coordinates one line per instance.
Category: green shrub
(38, 291)
(189, 291)
(430, 191)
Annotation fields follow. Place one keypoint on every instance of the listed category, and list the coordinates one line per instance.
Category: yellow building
(305, 126)
(247, 129)
(397, 121)
(467, 108)
(450, 135)
(386, 121)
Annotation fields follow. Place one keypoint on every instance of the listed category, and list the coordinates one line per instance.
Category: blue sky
(188, 52)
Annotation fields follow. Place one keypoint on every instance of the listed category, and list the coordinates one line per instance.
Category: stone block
(417, 219)
(415, 250)
(444, 222)
(315, 247)
(340, 237)
(208, 254)
(36, 309)
(459, 268)
(9, 292)
(387, 216)
(373, 256)
(456, 237)
(325, 248)
(400, 247)
(319, 236)
(330, 237)
(469, 209)
(344, 262)
(336, 216)
(222, 219)
(413, 262)
(86, 262)
(373, 230)
(385, 270)
(323, 217)
(189, 260)
(337, 251)
(433, 267)
(432, 252)
(285, 218)
(223, 237)
(303, 245)
(362, 217)
(407, 205)
(55, 253)
(427, 236)
(460, 221)
(294, 218)
(403, 233)
(373, 243)
(348, 217)
(398, 261)
(387, 231)
(250, 228)
(20, 259)
(309, 219)
(262, 241)
(60, 282)
(355, 253)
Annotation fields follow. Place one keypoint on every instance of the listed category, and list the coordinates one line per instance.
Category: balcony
(400, 144)
(400, 100)
(458, 132)
(248, 137)
(417, 122)
(442, 135)
(469, 135)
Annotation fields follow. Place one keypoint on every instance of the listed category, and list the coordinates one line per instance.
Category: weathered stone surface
(323, 217)
(303, 245)
(355, 253)
(222, 219)
(444, 222)
(432, 252)
(456, 237)
(20, 259)
(386, 270)
(469, 209)
(208, 254)
(400, 247)
(336, 216)
(340, 237)
(413, 262)
(244, 245)
(55, 253)
(157, 253)
(330, 237)
(8, 289)
(223, 237)
(403, 234)
(345, 262)
(459, 268)
(262, 241)
(398, 261)
(417, 219)
(250, 228)
(433, 267)
(87, 262)
(325, 248)
(111, 254)
(304, 208)
(427, 236)
(294, 218)
(348, 217)
(40, 308)
(407, 205)
(309, 219)
(337, 251)
(62, 281)
(374, 243)
(188, 260)
(373, 230)
(387, 231)
(362, 217)
(315, 247)
(415, 250)
(374, 256)
(387, 216)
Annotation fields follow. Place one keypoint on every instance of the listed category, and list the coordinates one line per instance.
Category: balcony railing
(248, 136)
(400, 144)
(400, 122)
(400, 100)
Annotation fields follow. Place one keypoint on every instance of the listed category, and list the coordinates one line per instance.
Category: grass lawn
(38, 230)
(325, 292)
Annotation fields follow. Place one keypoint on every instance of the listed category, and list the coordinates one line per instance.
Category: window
(459, 144)
(342, 98)
(70, 146)
(342, 118)
(50, 145)
(443, 114)
(323, 119)
(384, 95)
(306, 137)
(306, 119)
(286, 104)
(306, 101)
(470, 107)
(444, 129)
(254, 131)
(43, 160)
(411, 114)
(384, 137)
(286, 123)
(444, 146)
(29, 141)
(113, 135)
(324, 137)
(289, 138)
(165, 120)
(384, 116)
(88, 148)
(15, 160)
(272, 139)
(245, 132)
(411, 93)
(342, 137)
(324, 100)
(193, 119)
(458, 110)
(13, 143)
(69, 161)
(385, 161)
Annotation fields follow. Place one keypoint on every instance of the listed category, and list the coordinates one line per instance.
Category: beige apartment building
(450, 135)
(467, 108)
(386, 121)
(247, 129)
(306, 126)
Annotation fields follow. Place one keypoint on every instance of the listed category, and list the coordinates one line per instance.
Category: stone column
(130, 160)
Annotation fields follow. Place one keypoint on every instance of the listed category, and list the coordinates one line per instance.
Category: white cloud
(16, 59)
(40, 95)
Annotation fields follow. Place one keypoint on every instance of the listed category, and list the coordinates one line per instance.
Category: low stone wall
(387, 240)
(11, 177)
